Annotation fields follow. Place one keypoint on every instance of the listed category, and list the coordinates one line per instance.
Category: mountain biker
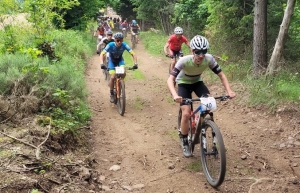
(116, 50)
(124, 25)
(111, 23)
(187, 73)
(106, 27)
(109, 38)
(104, 42)
(174, 44)
(99, 33)
(135, 28)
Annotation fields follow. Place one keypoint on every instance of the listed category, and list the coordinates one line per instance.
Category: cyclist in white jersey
(187, 73)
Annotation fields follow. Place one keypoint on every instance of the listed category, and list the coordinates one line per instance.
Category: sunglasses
(119, 40)
(200, 52)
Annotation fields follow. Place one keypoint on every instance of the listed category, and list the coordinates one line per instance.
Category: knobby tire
(214, 179)
(121, 101)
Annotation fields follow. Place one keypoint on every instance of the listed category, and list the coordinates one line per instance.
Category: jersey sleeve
(213, 65)
(107, 48)
(169, 40)
(185, 40)
(178, 67)
(127, 48)
(102, 40)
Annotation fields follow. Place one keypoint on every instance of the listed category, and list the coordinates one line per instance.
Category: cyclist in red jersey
(174, 44)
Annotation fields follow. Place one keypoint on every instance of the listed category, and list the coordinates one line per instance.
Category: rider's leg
(185, 119)
(173, 61)
(184, 92)
(112, 73)
(122, 64)
(200, 89)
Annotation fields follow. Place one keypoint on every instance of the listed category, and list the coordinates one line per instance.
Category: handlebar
(177, 56)
(190, 101)
(134, 67)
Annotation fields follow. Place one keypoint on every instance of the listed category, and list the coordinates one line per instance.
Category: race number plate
(120, 70)
(208, 104)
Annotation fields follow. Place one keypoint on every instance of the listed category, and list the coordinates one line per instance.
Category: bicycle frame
(119, 89)
(117, 80)
(203, 114)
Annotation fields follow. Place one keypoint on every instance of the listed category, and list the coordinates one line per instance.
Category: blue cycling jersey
(115, 53)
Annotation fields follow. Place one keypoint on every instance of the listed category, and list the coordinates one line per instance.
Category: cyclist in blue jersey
(115, 50)
(187, 72)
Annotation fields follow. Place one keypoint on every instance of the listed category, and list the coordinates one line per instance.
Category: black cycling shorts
(185, 90)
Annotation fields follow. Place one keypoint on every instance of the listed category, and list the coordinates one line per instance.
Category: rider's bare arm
(102, 57)
(171, 86)
(134, 57)
(225, 83)
(166, 48)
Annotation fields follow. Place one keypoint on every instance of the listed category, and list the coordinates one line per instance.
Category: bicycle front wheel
(212, 151)
(121, 101)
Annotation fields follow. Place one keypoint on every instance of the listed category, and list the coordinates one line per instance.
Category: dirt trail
(144, 142)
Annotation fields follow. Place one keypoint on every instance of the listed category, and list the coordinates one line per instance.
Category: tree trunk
(260, 37)
(277, 52)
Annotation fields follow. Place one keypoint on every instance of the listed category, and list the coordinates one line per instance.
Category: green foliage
(193, 13)
(125, 8)
(49, 10)
(34, 191)
(10, 40)
(60, 86)
(8, 7)
(77, 17)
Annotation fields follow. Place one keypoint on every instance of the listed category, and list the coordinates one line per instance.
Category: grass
(173, 133)
(194, 166)
(138, 103)
(155, 42)
(170, 100)
(136, 74)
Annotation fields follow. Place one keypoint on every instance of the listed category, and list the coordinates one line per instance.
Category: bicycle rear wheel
(212, 151)
(121, 101)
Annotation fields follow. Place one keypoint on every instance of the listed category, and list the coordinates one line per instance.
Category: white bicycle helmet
(199, 43)
(178, 30)
(118, 35)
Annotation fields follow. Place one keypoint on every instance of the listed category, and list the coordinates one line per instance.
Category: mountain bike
(133, 40)
(106, 70)
(124, 31)
(203, 130)
(177, 57)
(119, 89)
